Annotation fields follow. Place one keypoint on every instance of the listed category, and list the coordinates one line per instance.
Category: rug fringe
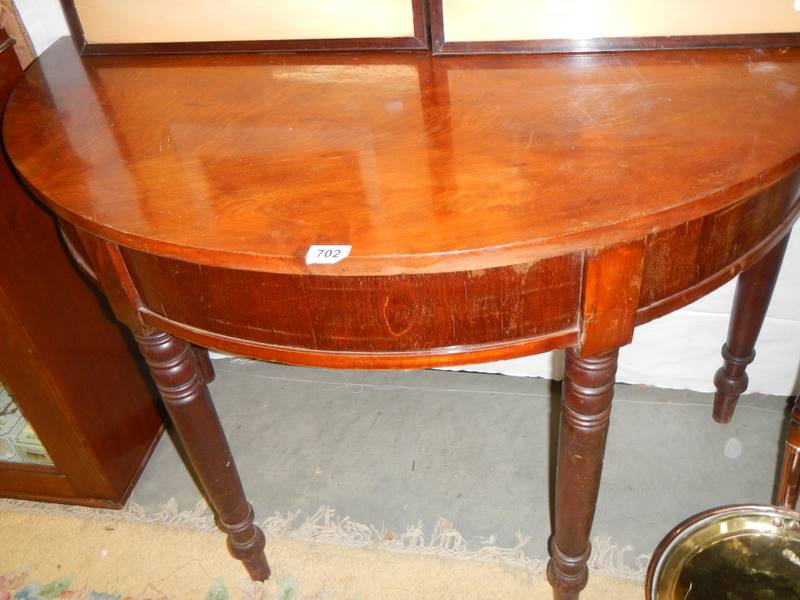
(326, 527)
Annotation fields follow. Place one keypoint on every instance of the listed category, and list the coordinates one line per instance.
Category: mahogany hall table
(482, 207)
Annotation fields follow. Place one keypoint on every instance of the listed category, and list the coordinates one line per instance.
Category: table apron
(590, 299)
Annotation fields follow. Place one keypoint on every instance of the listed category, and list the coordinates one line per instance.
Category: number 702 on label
(327, 254)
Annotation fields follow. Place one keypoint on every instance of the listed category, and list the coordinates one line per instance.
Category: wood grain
(753, 293)
(611, 282)
(789, 482)
(181, 381)
(585, 415)
(11, 21)
(395, 313)
(69, 366)
(479, 161)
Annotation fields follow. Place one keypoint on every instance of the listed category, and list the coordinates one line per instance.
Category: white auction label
(326, 254)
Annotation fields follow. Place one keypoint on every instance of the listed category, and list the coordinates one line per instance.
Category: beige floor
(155, 562)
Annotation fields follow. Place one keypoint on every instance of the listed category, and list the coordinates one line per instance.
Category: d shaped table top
(421, 164)
(494, 206)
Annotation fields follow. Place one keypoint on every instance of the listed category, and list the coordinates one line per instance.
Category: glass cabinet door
(18, 441)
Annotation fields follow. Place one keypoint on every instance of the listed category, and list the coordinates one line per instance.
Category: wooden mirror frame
(420, 40)
(440, 44)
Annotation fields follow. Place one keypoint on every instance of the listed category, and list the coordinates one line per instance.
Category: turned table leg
(204, 363)
(753, 293)
(585, 410)
(789, 485)
(181, 380)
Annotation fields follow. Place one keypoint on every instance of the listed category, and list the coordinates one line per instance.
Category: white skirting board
(680, 350)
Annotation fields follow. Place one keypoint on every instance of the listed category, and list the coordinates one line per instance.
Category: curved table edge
(438, 357)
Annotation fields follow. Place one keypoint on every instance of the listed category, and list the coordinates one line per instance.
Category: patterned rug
(52, 551)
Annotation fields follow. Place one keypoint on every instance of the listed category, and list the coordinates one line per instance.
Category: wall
(680, 350)
(44, 21)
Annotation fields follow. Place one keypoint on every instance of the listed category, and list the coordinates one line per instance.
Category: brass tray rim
(696, 522)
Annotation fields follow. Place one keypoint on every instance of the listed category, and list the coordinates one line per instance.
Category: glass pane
(144, 21)
(477, 20)
(18, 441)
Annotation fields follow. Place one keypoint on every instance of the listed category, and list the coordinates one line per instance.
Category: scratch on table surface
(530, 140)
(587, 114)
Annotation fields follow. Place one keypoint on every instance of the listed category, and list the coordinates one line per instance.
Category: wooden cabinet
(66, 362)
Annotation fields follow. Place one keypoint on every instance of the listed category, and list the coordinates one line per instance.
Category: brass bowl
(741, 552)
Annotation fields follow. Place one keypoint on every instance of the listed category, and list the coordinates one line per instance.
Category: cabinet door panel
(69, 365)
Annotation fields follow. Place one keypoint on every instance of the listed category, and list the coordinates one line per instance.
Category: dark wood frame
(440, 45)
(53, 325)
(419, 41)
(12, 23)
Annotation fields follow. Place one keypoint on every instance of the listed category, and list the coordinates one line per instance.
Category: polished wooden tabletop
(422, 164)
